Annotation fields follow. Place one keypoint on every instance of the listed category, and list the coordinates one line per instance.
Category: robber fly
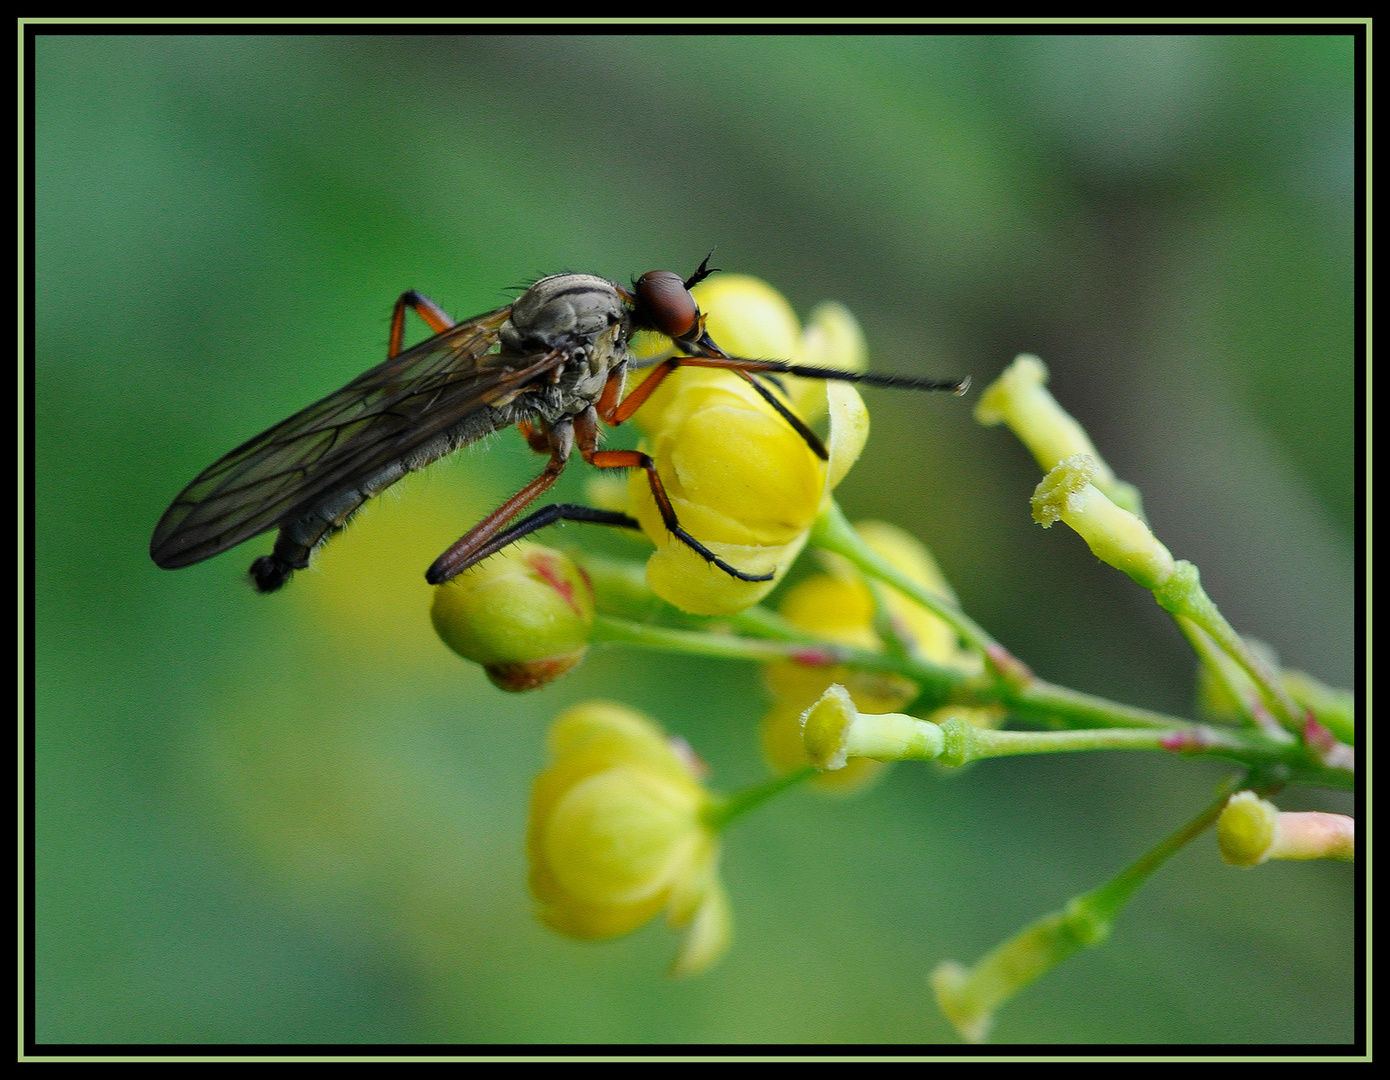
(553, 363)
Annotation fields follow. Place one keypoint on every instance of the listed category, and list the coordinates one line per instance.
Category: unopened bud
(1252, 830)
(525, 614)
(834, 731)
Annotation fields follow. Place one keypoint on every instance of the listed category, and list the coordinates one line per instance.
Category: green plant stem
(758, 621)
(1057, 706)
(724, 811)
(810, 651)
(833, 532)
(1232, 678)
(966, 742)
(1104, 904)
(970, 997)
(1182, 595)
(1101, 722)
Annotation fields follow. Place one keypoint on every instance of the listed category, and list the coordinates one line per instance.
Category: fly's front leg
(434, 316)
(614, 412)
(586, 435)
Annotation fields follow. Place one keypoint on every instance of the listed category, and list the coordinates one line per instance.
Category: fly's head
(662, 302)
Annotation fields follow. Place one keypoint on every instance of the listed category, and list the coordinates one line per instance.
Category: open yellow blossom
(617, 833)
(740, 478)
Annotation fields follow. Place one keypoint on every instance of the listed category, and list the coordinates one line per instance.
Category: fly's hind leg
(491, 534)
(537, 439)
(478, 543)
(549, 515)
(434, 315)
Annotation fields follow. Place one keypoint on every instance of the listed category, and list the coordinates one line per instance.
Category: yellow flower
(839, 606)
(525, 614)
(740, 479)
(617, 833)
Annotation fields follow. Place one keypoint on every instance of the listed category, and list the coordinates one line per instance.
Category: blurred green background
(299, 818)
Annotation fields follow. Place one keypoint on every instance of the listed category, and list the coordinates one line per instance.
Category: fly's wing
(378, 418)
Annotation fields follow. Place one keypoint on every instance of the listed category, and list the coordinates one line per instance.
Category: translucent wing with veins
(393, 419)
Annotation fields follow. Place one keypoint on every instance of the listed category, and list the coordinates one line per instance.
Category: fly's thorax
(565, 311)
(587, 371)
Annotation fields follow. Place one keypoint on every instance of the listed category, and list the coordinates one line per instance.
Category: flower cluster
(622, 827)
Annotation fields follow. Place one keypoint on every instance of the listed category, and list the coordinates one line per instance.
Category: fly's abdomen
(299, 537)
(305, 529)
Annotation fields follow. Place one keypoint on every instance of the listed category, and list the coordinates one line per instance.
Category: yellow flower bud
(1113, 534)
(617, 833)
(839, 607)
(740, 478)
(1020, 398)
(834, 731)
(1252, 830)
(525, 614)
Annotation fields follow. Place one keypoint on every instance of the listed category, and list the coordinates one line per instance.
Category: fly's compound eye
(667, 304)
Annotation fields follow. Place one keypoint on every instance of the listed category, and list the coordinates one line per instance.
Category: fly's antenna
(702, 271)
(869, 378)
(873, 378)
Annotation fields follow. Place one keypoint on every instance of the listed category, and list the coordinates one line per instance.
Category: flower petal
(849, 431)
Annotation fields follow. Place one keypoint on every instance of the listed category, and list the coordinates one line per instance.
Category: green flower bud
(525, 614)
(1114, 535)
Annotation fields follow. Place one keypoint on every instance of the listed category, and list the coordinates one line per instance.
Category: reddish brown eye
(667, 303)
